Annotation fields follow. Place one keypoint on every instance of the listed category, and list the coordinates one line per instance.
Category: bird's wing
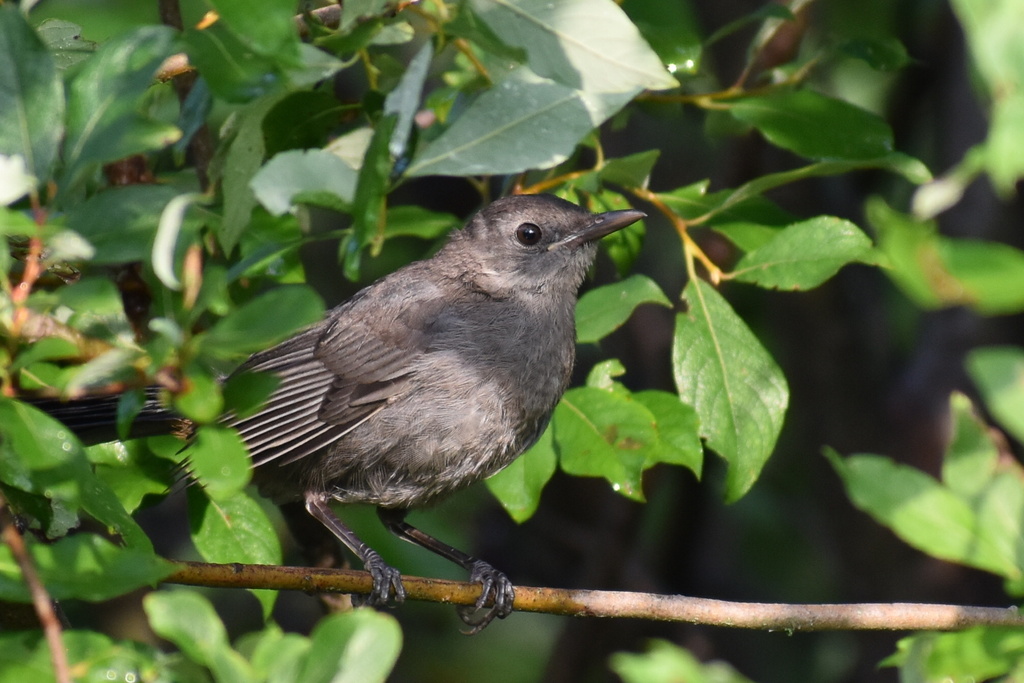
(333, 378)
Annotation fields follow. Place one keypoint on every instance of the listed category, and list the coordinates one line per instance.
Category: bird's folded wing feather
(333, 378)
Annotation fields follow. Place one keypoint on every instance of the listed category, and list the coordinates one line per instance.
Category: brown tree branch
(619, 604)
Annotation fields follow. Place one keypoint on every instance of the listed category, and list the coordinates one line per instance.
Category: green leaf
(312, 176)
(360, 646)
(31, 95)
(523, 122)
(131, 471)
(816, 126)
(678, 431)
(602, 433)
(927, 515)
(246, 392)
(234, 528)
(404, 101)
(121, 222)
(64, 41)
(721, 204)
(673, 31)
(990, 28)
(105, 120)
(518, 486)
(805, 254)
(983, 653)
(264, 321)
(368, 206)
(666, 662)
(188, 620)
(630, 171)
(415, 221)
(245, 152)
(971, 459)
(739, 393)
(84, 567)
(276, 656)
(602, 310)
(270, 31)
(937, 271)
(218, 459)
(998, 372)
(200, 400)
(40, 455)
(882, 54)
(588, 45)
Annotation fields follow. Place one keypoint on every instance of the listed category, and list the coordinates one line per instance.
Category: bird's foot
(496, 597)
(386, 580)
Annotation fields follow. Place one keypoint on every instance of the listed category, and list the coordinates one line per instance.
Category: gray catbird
(430, 379)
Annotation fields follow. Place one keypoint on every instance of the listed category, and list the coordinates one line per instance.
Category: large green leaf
(603, 433)
(360, 646)
(84, 567)
(105, 120)
(932, 517)
(816, 126)
(245, 151)
(39, 455)
(218, 459)
(523, 122)
(588, 45)
(998, 372)
(724, 372)
(805, 254)
(938, 271)
(234, 528)
(121, 222)
(518, 486)
(993, 35)
(312, 176)
(188, 620)
(263, 321)
(31, 95)
(604, 309)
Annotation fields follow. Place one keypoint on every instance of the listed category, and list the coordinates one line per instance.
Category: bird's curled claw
(497, 594)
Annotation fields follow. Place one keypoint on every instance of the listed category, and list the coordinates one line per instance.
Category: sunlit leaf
(724, 372)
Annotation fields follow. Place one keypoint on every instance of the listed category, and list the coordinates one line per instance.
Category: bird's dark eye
(528, 234)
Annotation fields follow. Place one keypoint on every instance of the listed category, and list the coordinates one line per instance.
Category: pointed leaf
(602, 433)
(188, 620)
(588, 45)
(604, 309)
(803, 255)
(105, 119)
(31, 95)
(523, 122)
(518, 486)
(360, 646)
(816, 126)
(84, 567)
(739, 393)
(998, 372)
(234, 528)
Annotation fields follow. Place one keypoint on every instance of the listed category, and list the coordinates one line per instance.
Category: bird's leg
(495, 586)
(385, 577)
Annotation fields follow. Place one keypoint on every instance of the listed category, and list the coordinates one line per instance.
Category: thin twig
(45, 612)
(617, 604)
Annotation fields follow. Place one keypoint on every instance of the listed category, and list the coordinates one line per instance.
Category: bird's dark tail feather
(93, 419)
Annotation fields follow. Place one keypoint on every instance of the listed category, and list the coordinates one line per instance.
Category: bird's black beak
(602, 224)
